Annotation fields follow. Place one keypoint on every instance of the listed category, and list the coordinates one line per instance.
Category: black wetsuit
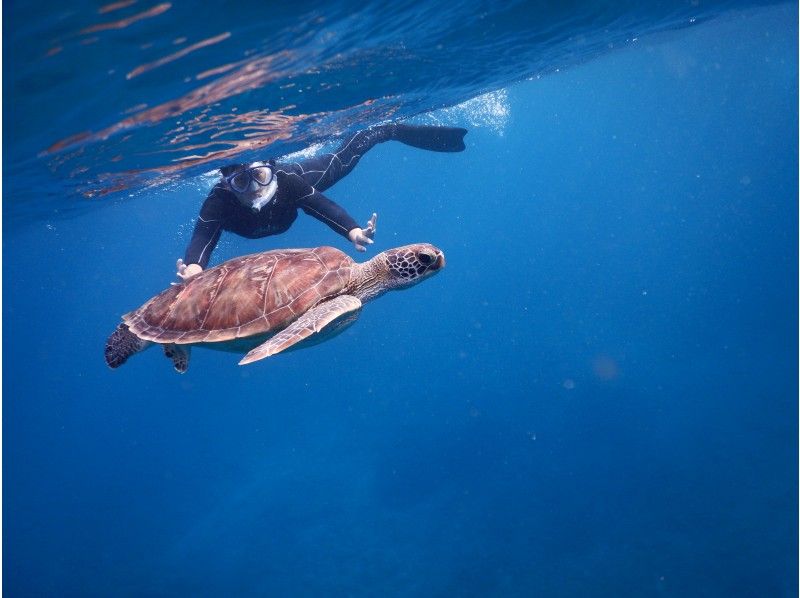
(299, 187)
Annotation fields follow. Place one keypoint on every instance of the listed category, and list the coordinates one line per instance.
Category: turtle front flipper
(179, 354)
(329, 317)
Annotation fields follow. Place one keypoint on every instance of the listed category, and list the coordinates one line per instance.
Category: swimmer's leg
(436, 139)
(325, 170)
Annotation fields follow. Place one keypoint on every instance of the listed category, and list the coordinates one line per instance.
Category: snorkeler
(261, 199)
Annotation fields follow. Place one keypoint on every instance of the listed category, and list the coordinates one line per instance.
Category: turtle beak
(440, 260)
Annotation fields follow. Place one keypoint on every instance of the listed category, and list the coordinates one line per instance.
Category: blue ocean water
(596, 397)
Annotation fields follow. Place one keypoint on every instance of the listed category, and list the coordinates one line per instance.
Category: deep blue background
(596, 397)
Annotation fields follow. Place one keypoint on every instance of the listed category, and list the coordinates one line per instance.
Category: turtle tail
(122, 344)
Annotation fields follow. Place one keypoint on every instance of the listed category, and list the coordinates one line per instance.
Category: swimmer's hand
(361, 236)
(185, 272)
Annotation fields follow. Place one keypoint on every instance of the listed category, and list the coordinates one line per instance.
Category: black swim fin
(436, 139)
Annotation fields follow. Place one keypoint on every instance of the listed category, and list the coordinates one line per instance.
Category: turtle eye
(425, 258)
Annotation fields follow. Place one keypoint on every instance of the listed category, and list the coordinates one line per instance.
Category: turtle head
(397, 268)
(406, 266)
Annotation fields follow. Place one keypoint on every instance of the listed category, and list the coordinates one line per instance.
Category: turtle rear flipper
(179, 354)
(121, 345)
(329, 317)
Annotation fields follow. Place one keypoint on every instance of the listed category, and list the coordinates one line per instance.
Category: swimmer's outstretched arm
(186, 271)
(205, 237)
(329, 212)
(361, 236)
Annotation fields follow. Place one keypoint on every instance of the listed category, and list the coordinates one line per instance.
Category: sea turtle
(267, 302)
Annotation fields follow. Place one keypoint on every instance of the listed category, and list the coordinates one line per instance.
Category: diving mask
(255, 185)
(241, 180)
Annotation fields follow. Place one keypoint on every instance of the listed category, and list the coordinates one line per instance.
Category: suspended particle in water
(605, 367)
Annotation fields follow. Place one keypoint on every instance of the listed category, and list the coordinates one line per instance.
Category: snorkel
(265, 195)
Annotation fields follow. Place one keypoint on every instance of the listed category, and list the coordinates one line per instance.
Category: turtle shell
(243, 297)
